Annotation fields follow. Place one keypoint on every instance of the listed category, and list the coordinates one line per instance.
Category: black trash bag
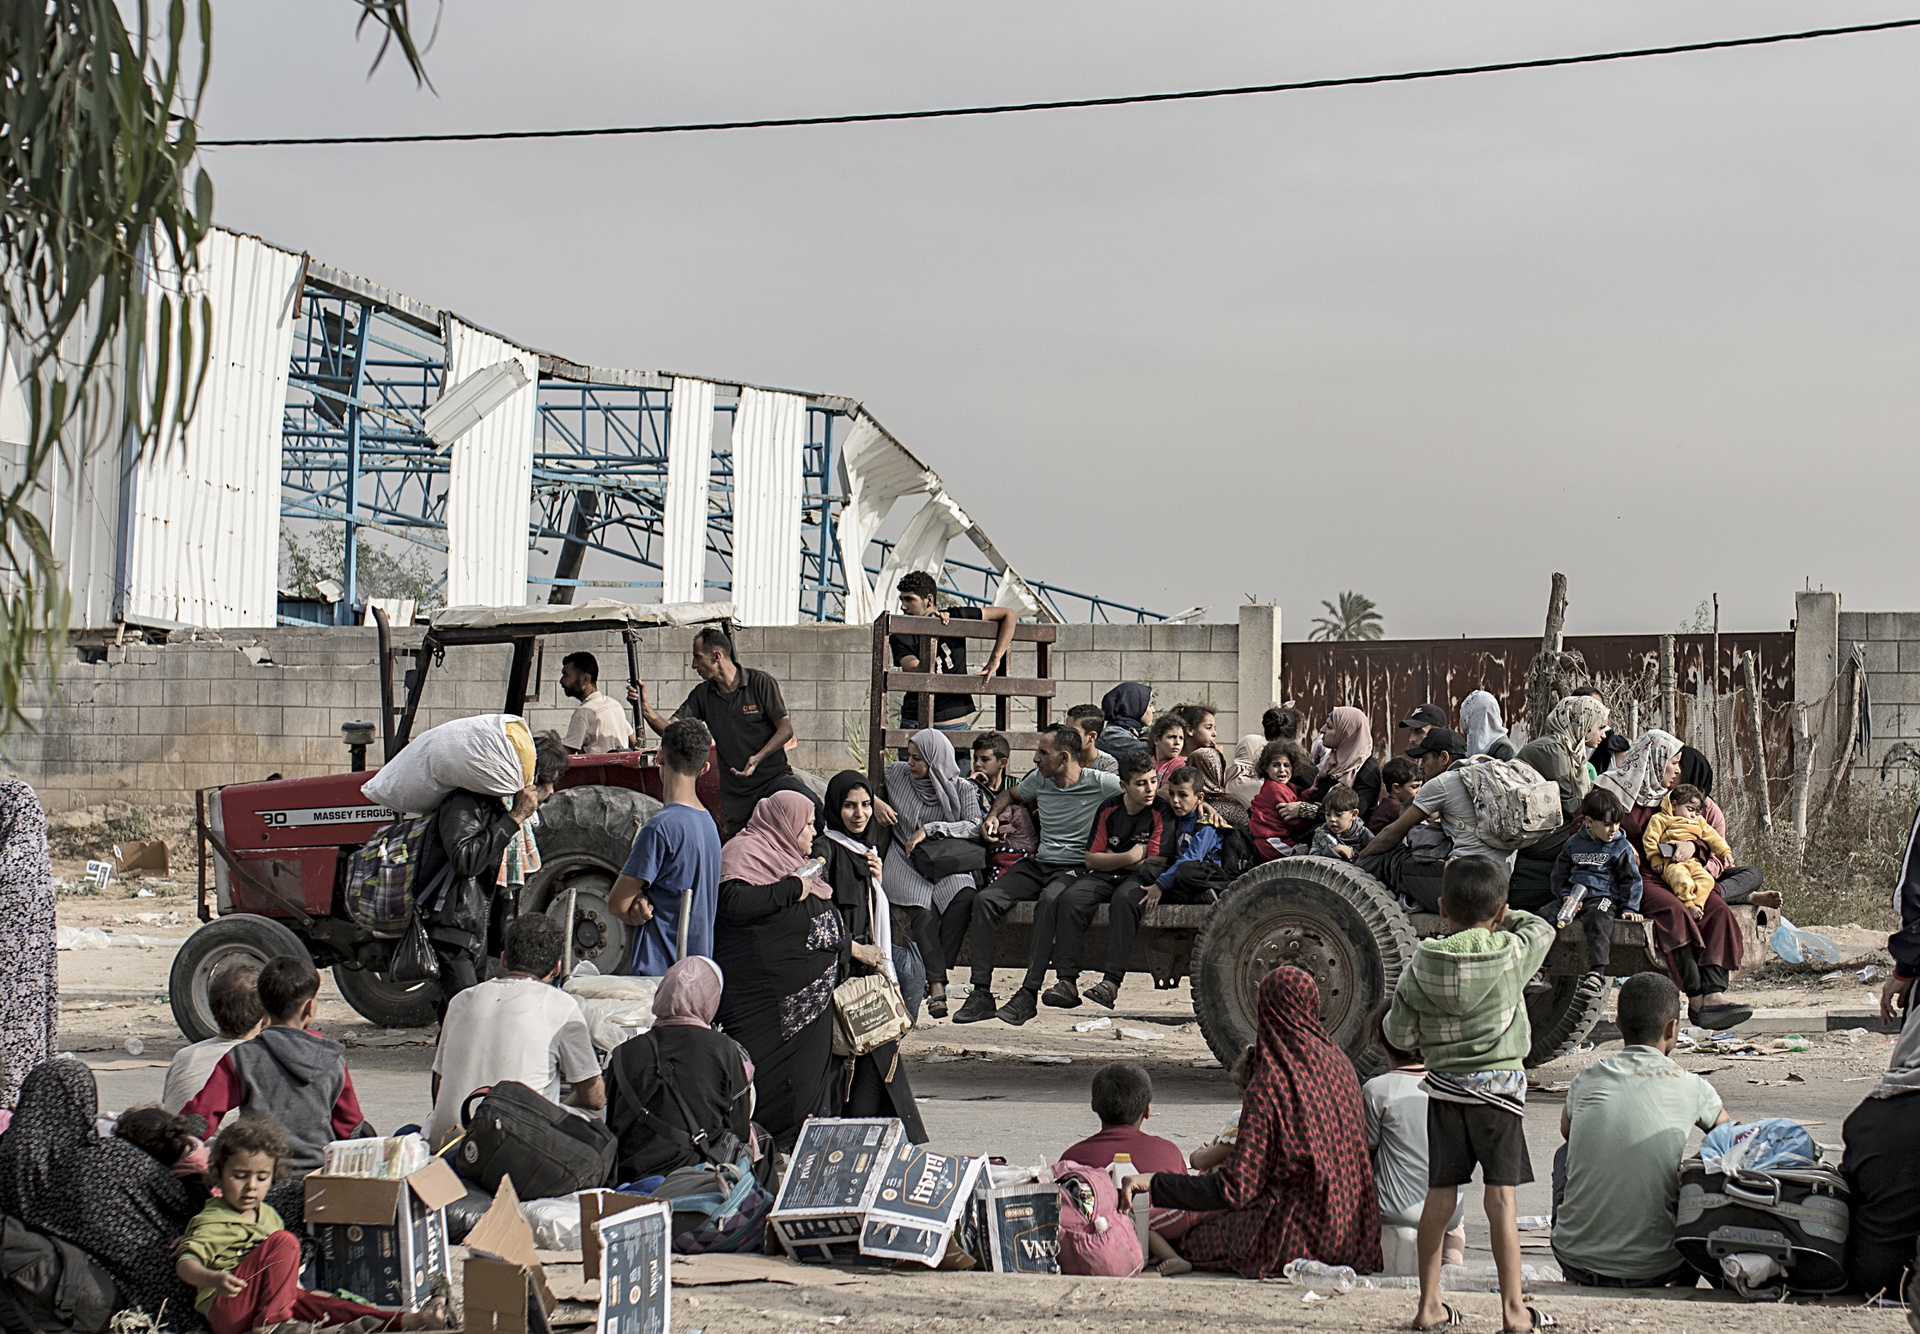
(413, 958)
(465, 1213)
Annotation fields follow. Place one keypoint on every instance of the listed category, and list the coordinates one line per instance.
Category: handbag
(939, 856)
(868, 1012)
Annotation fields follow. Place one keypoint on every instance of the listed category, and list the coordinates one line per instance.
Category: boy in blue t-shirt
(677, 850)
(1597, 875)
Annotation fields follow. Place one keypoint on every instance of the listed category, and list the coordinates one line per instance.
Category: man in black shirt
(917, 598)
(747, 714)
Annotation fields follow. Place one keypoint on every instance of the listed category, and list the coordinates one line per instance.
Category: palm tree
(1353, 618)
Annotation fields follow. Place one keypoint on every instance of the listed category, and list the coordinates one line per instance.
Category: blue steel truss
(355, 453)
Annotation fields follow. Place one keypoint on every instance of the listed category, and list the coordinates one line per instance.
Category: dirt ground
(1021, 1094)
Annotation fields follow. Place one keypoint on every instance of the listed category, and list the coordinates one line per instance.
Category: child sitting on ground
(235, 1002)
(1123, 1100)
(167, 1136)
(1278, 819)
(1682, 819)
(246, 1264)
(1397, 1134)
(1461, 1003)
(1340, 833)
(1400, 779)
(1168, 737)
(1596, 875)
(1217, 1150)
(1191, 841)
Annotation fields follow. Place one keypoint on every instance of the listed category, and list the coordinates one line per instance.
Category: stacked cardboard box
(1013, 1219)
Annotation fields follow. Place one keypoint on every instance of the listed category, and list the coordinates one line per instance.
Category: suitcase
(1798, 1216)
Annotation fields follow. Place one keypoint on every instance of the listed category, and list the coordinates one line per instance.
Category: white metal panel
(683, 540)
(490, 478)
(923, 544)
(878, 473)
(769, 433)
(204, 528)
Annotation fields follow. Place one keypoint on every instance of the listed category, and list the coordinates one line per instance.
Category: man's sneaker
(979, 1006)
(1024, 1005)
(1103, 992)
(1063, 995)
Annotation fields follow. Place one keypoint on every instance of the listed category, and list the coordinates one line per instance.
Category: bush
(1852, 858)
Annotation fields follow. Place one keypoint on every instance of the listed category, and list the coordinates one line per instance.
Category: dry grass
(1852, 858)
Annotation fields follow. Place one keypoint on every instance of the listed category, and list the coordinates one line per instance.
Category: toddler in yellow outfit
(1682, 819)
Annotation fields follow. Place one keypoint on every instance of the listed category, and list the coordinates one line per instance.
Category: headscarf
(1480, 719)
(1126, 702)
(838, 788)
(1352, 745)
(689, 995)
(1207, 763)
(1697, 769)
(777, 838)
(1245, 781)
(1636, 777)
(941, 789)
(1300, 1179)
(29, 972)
(1568, 724)
(1903, 1070)
(42, 1152)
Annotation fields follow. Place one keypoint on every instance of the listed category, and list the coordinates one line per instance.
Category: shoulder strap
(691, 1136)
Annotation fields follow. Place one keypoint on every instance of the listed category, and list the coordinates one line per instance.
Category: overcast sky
(1649, 323)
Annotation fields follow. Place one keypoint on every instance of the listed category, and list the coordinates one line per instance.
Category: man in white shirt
(516, 1028)
(599, 725)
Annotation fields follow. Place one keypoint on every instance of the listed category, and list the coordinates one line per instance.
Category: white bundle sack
(491, 753)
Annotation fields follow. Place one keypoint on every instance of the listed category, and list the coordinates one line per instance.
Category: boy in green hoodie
(1461, 1004)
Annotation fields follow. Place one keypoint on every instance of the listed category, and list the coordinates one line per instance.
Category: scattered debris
(1049, 1060)
(1790, 1079)
(1140, 1033)
(1089, 1025)
(1209, 1064)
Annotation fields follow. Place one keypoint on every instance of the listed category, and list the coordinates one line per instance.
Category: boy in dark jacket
(1597, 875)
(1340, 833)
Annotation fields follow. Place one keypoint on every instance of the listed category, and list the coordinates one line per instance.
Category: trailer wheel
(1331, 919)
(238, 938)
(385, 1003)
(585, 834)
(1563, 1015)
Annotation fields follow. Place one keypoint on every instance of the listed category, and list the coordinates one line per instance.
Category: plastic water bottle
(1313, 1274)
(1120, 1169)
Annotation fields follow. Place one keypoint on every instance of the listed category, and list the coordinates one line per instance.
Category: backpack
(1096, 1236)
(1513, 806)
(1237, 856)
(382, 876)
(545, 1148)
(48, 1286)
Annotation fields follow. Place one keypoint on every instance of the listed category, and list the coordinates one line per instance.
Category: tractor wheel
(1563, 1015)
(585, 834)
(238, 938)
(388, 1004)
(1334, 921)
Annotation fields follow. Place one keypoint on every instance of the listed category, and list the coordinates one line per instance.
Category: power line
(869, 117)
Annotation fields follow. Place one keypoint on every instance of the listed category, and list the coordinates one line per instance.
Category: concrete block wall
(152, 723)
(1891, 641)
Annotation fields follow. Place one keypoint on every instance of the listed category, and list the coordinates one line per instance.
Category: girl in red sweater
(1278, 819)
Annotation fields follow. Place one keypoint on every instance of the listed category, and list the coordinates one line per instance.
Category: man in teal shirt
(1625, 1122)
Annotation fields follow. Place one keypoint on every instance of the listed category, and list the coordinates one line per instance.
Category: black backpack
(546, 1149)
(50, 1287)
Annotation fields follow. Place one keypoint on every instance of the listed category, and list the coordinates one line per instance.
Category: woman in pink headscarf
(783, 946)
(1349, 762)
(706, 1068)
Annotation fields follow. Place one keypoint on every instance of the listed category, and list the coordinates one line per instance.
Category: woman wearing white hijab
(931, 799)
(1485, 728)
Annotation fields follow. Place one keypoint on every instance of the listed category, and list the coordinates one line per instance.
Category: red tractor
(278, 850)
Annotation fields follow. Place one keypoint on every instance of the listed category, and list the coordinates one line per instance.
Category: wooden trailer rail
(884, 741)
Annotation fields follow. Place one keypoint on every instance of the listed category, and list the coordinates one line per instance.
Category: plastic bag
(612, 1022)
(555, 1222)
(1796, 944)
(491, 754)
(1758, 1146)
(413, 958)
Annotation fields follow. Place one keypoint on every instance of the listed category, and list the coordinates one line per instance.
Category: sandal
(1541, 1320)
(937, 1006)
(1443, 1325)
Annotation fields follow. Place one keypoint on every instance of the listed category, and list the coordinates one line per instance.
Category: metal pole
(686, 920)
(343, 615)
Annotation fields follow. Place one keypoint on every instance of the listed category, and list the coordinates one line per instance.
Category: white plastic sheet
(683, 557)
(878, 473)
(769, 434)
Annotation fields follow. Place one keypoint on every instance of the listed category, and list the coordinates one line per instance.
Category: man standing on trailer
(951, 712)
(745, 711)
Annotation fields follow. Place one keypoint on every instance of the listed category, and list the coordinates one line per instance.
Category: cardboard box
(384, 1239)
(636, 1287)
(506, 1288)
(594, 1206)
(1019, 1224)
(918, 1203)
(830, 1184)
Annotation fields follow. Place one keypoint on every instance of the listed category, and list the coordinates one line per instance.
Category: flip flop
(1446, 1324)
(1541, 1320)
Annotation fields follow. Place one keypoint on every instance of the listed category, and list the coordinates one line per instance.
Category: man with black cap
(1424, 719)
(1444, 794)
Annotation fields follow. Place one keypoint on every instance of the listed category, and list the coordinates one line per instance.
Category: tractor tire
(1327, 917)
(237, 938)
(386, 1003)
(1563, 1015)
(585, 834)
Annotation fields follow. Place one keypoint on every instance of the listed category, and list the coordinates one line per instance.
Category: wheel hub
(1310, 946)
(589, 932)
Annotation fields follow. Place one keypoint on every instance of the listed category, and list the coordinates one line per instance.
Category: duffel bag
(939, 856)
(1796, 1217)
(543, 1147)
